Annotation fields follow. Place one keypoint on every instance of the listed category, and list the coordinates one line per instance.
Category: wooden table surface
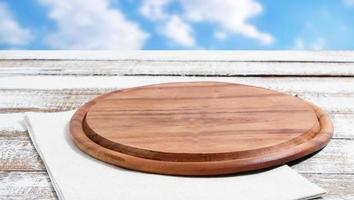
(60, 81)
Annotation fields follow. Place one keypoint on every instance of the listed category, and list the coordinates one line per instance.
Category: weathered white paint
(343, 126)
(190, 68)
(329, 56)
(11, 122)
(18, 153)
(342, 86)
(25, 185)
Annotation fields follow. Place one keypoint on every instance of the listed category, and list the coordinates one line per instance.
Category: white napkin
(77, 176)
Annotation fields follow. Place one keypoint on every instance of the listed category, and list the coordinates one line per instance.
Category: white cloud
(91, 24)
(11, 33)
(171, 26)
(348, 2)
(220, 35)
(154, 9)
(299, 44)
(317, 44)
(228, 16)
(178, 31)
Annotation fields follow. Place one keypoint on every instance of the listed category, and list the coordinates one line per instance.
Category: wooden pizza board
(199, 128)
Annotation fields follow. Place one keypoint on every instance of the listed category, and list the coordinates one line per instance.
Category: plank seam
(186, 75)
(307, 173)
(177, 60)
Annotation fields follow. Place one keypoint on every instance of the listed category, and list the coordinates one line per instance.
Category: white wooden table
(60, 81)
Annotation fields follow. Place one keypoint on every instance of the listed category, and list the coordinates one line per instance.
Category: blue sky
(177, 24)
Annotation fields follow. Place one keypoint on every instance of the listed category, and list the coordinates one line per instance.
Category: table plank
(10, 127)
(285, 56)
(26, 185)
(176, 68)
(51, 101)
(316, 85)
(18, 153)
(36, 185)
(63, 80)
(333, 95)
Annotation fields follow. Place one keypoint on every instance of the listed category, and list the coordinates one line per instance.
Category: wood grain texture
(177, 68)
(55, 93)
(52, 101)
(18, 154)
(53, 82)
(59, 81)
(26, 185)
(228, 56)
(199, 128)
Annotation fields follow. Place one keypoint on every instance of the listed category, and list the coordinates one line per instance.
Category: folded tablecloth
(77, 176)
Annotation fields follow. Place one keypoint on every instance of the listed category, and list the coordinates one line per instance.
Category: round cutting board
(199, 128)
